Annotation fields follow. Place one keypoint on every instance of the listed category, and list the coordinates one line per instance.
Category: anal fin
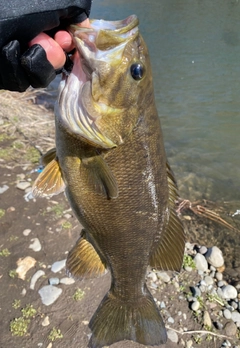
(168, 254)
(84, 261)
(50, 181)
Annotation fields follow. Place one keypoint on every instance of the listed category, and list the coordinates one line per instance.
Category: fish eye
(137, 71)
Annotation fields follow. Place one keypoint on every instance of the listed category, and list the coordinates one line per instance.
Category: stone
(67, 281)
(171, 320)
(230, 328)
(208, 280)
(227, 314)
(58, 266)
(229, 292)
(236, 317)
(46, 321)
(219, 276)
(195, 291)
(163, 276)
(189, 344)
(53, 281)
(49, 294)
(22, 185)
(26, 232)
(195, 306)
(201, 262)
(35, 277)
(152, 276)
(35, 245)
(24, 265)
(172, 336)
(3, 189)
(203, 250)
(214, 257)
(207, 322)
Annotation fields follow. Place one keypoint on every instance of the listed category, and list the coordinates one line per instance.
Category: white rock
(229, 292)
(26, 232)
(152, 276)
(214, 257)
(236, 317)
(172, 336)
(195, 306)
(22, 185)
(24, 265)
(46, 321)
(207, 320)
(201, 262)
(35, 245)
(163, 276)
(58, 266)
(49, 294)
(4, 188)
(67, 281)
(35, 277)
(227, 314)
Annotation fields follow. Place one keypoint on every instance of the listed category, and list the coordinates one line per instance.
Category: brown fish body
(116, 177)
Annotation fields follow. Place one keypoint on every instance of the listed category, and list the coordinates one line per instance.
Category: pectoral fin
(100, 176)
(83, 260)
(48, 157)
(168, 254)
(50, 181)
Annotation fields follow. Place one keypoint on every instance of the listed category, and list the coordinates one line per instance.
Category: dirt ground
(26, 130)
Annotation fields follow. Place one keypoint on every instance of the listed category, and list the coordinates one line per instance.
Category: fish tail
(116, 320)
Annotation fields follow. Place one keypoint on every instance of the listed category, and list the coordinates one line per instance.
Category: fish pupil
(137, 71)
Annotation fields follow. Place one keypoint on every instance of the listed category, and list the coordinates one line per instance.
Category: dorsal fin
(100, 176)
(168, 255)
(50, 181)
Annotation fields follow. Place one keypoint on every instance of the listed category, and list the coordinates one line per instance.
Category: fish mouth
(78, 109)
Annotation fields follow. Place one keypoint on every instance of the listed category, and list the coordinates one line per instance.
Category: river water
(194, 47)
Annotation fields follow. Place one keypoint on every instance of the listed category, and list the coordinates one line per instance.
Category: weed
(78, 295)
(188, 261)
(216, 298)
(32, 155)
(55, 334)
(12, 273)
(19, 326)
(197, 339)
(2, 211)
(29, 311)
(16, 304)
(66, 224)
(13, 238)
(57, 210)
(5, 253)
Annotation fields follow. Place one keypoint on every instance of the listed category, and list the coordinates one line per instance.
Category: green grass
(55, 334)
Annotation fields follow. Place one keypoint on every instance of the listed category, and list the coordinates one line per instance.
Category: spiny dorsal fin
(48, 157)
(49, 182)
(83, 260)
(168, 255)
(100, 176)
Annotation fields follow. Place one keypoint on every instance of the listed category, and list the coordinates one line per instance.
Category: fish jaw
(83, 108)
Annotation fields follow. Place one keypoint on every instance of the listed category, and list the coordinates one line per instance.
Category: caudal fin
(115, 321)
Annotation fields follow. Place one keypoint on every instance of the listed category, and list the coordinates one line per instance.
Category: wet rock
(67, 281)
(53, 281)
(227, 314)
(35, 245)
(24, 265)
(214, 257)
(58, 266)
(163, 276)
(172, 336)
(49, 294)
(229, 292)
(35, 277)
(207, 320)
(22, 185)
(230, 329)
(201, 262)
(26, 232)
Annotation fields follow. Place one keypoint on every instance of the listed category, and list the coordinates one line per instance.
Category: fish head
(102, 98)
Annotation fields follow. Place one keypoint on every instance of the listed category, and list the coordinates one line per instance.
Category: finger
(54, 52)
(64, 39)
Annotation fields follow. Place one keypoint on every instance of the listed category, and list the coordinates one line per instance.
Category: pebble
(195, 291)
(162, 305)
(26, 232)
(195, 306)
(22, 185)
(171, 320)
(214, 257)
(227, 314)
(219, 276)
(189, 344)
(3, 189)
(35, 245)
(201, 262)
(58, 266)
(53, 281)
(218, 325)
(152, 276)
(207, 320)
(46, 321)
(188, 268)
(229, 292)
(24, 265)
(49, 294)
(236, 317)
(230, 329)
(172, 336)
(203, 250)
(164, 277)
(35, 277)
(67, 281)
(209, 280)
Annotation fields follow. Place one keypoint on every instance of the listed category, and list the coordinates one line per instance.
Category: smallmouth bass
(110, 161)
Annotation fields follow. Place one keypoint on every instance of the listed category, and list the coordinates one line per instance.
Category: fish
(111, 163)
